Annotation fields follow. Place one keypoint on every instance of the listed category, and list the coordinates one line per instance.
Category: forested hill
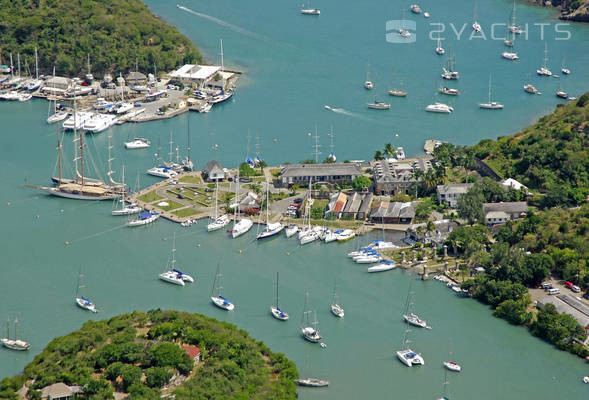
(553, 152)
(137, 354)
(115, 33)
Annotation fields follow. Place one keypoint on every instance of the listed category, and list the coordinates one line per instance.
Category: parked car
(586, 296)
(298, 200)
(576, 289)
(553, 291)
(245, 180)
(568, 284)
(546, 286)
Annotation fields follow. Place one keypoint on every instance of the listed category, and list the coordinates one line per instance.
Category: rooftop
(192, 351)
(321, 169)
(193, 71)
(509, 207)
(454, 188)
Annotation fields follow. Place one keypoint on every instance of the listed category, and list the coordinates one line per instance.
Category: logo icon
(401, 31)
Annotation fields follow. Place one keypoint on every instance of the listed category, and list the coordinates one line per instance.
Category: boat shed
(395, 212)
(364, 210)
(135, 78)
(353, 205)
(57, 84)
(195, 75)
(336, 205)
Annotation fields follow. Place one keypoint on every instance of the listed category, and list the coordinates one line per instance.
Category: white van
(553, 291)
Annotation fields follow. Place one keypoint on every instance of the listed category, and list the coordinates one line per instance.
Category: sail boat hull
(311, 334)
(278, 313)
(19, 345)
(77, 194)
(410, 358)
(86, 304)
(222, 303)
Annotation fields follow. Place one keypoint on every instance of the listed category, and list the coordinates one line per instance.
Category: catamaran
(80, 300)
(275, 310)
(308, 327)
(491, 105)
(409, 315)
(217, 293)
(14, 344)
(171, 274)
(272, 228)
(408, 356)
(335, 307)
(217, 222)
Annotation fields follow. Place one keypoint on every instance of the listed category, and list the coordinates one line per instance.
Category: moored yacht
(508, 55)
(217, 297)
(312, 382)
(138, 143)
(378, 105)
(58, 116)
(144, 219)
(14, 344)
(291, 230)
(345, 235)
(99, 122)
(452, 366)
(77, 121)
(308, 327)
(491, 105)
(544, 71)
(275, 309)
(309, 10)
(86, 304)
(439, 108)
(162, 172)
(415, 9)
(271, 229)
(531, 89)
(449, 91)
(384, 265)
(562, 95)
(241, 227)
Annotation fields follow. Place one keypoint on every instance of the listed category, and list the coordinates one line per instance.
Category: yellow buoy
(198, 245)
(288, 253)
(8, 203)
(240, 251)
(37, 216)
(67, 243)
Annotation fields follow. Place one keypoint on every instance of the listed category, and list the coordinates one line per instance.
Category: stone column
(425, 276)
(414, 256)
(404, 260)
(445, 252)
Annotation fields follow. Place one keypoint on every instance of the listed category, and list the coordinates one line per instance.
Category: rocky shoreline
(580, 14)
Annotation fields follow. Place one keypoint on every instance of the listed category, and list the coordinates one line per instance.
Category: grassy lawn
(150, 197)
(191, 179)
(185, 212)
(172, 205)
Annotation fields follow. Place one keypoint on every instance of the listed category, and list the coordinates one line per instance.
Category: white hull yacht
(138, 143)
(439, 108)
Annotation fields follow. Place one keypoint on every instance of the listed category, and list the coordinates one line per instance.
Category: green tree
(513, 311)
(156, 377)
(130, 374)
(98, 389)
(246, 170)
(470, 206)
(361, 183)
(389, 150)
(378, 155)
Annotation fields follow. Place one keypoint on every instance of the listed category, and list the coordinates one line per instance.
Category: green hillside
(138, 353)
(115, 33)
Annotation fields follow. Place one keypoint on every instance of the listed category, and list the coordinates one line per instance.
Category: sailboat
(445, 395)
(308, 235)
(308, 327)
(171, 274)
(308, 10)
(544, 71)
(81, 187)
(564, 69)
(14, 344)
(439, 49)
(561, 93)
(275, 310)
(408, 356)
(217, 222)
(491, 105)
(57, 115)
(449, 71)
(272, 228)
(335, 307)
(511, 54)
(368, 83)
(244, 224)
(409, 315)
(311, 382)
(126, 207)
(398, 92)
(80, 300)
(217, 293)
(475, 25)
(513, 28)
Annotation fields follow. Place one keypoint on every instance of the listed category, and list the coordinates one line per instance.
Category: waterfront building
(201, 76)
(60, 391)
(498, 213)
(336, 205)
(393, 177)
(135, 78)
(213, 171)
(419, 233)
(57, 85)
(395, 212)
(364, 210)
(301, 174)
(449, 194)
(352, 206)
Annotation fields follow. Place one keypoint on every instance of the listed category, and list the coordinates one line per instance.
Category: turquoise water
(307, 63)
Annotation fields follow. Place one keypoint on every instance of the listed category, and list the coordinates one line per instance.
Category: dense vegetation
(525, 252)
(138, 353)
(115, 33)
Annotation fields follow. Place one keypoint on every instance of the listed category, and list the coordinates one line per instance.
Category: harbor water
(294, 65)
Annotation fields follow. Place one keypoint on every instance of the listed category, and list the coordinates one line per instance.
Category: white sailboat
(144, 219)
(308, 10)
(544, 71)
(409, 315)
(307, 234)
(335, 306)
(126, 207)
(439, 49)
(384, 265)
(171, 274)
(272, 228)
(57, 115)
(491, 105)
(80, 300)
(275, 309)
(445, 395)
(368, 83)
(475, 24)
(291, 230)
(217, 293)
(397, 92)
(408, 356)
(15, 343)
(242, 225)
(308, 326)
(217, 222)
(513, 27)
(564, 69)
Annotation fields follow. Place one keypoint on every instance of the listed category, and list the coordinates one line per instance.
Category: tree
(378, 155)
(130, 374)
(389, 150)
(98, 389)
(361, 183)
(470, 206)
(226, 198)
(423, 210)
(513, 311)
(246, 170)
(262, 164)
(256, 188)
(156, 377)
(293, 190)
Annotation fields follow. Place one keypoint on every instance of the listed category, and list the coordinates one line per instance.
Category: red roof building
(192, 351)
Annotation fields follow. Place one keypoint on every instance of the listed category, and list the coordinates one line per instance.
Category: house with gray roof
(395, 212)
(499, 213)
(213, 171)
(302, 174)
(135, 78)
(60, 391)
(352, 206)
(393, 177)
(449, 194)
(364, 210)
(418, 233)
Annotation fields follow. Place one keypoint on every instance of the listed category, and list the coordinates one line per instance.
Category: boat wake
(226, 24)
(343, 111)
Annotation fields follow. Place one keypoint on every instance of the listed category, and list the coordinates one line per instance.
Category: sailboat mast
(11, 67)
(174, 252)
(171, 150)
(76, 139)
(15, 327)
(267, 204)
(236, 199)
(18, 63)
(489, 88)
(216, 198)
(8, 328)
(276, 289)
(36, 64)
(59, 140)
(222, 56)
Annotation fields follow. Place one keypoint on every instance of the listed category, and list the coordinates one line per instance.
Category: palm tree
(256, 188)
(378, 155)
(389, 150)
(227, 196)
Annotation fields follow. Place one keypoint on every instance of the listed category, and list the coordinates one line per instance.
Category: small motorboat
(311, 382)
(452, 366)
(415, 9)
(138, 143)
(426, 14)
(529, 88)
(449, 91)
(562, 95)
(509, 55)
(368, 85)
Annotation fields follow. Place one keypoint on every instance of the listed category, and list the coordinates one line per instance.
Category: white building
(202, 75)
